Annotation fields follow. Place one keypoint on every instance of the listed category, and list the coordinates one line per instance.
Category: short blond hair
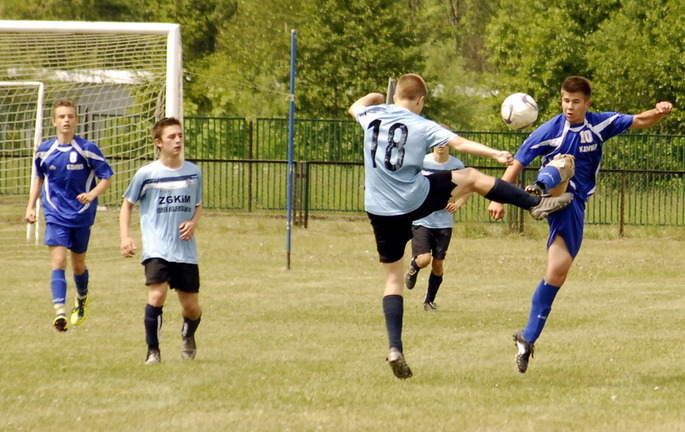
(64, 103)
(411, 87)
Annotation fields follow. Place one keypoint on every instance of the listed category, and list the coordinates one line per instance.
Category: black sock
(507, 193)
(189, 326)
(153, 324)
(433, 287)
(413, 266)
(393, 308)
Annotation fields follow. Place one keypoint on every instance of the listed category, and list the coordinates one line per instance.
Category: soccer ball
(519, 111)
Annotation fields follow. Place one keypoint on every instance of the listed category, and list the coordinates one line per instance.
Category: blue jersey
(68, 171)
(440, 218)
(395, 143)
(168, 197)
(584, 141)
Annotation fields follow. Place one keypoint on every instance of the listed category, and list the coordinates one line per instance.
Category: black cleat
(525, 351)
(398, 365)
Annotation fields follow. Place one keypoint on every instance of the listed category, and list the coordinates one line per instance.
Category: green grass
(304, 349)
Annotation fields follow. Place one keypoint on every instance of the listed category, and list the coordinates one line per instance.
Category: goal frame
(174, 71)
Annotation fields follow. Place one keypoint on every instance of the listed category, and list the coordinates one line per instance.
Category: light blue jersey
(68, 171)
(395, 143)
(167, 198)
(584, 141)
(440, 218)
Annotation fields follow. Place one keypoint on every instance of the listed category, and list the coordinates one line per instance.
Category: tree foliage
(472, 53)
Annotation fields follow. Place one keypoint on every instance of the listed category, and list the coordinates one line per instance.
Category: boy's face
(64, 119)
(574, 106)
(171, 142)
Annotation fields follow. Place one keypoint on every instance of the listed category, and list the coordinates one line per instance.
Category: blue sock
(393, 308)
(81, 284)
(58, 285)
(542, 300)
(550, 177)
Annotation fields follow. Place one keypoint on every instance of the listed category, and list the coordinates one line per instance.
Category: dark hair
(163, 123)
(577, 84)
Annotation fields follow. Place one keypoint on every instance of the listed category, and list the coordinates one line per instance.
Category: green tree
(350, 48)
(648, 40)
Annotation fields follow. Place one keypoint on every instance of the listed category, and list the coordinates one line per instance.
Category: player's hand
(30, 216)
(663, 107)
(504, 157)
(452, 207)
(127, 248)
(85, 198)
(187, 229)
(496, 210)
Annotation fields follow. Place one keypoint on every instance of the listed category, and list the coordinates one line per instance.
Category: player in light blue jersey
(66, 169)
(396, 139)
(580, 133)
(169, 191)
(431, 235)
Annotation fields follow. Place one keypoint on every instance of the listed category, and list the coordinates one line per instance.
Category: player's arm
(464, 145)
(651, 117)
(511, 174)
(127, 246)
(368, 100)
(36, 187)
(99, 189)
(187, 228)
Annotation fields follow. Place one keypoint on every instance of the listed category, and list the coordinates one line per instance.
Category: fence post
(622, 217)
(250, 156)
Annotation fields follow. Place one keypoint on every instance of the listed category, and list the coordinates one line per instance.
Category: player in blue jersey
(170, 194)
(431, 235)
(396, 139)
(66, 169)
(580, 133)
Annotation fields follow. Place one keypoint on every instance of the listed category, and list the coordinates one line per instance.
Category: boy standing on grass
(66, 168)
(396, 140)
(170, 194)
(431, 235)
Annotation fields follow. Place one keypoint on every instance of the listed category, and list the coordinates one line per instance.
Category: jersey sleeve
(437, 135)
(134, 192)
(611, 124)
(98, 162)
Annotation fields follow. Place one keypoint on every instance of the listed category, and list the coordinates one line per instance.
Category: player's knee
(423, 260)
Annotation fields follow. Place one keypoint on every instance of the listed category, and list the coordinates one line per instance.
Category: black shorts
(180, 276)
(435, 240)
(393, 232)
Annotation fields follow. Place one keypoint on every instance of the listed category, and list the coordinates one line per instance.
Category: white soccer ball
(519, 111)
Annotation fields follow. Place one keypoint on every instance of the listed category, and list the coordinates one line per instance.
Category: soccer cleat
(398, 365)
(188, 349)
(410, 278)
(525, 351)
(430, 307)
(550, 204)
(80, 310)
(536, 189)
(153, 356)
(60, 322)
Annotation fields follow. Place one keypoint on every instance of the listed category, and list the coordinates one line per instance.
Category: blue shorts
(568, 223)
(74, 239)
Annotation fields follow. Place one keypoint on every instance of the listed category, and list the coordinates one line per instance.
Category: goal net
(122, 76)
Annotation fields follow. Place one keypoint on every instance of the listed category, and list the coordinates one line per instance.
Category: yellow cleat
(80, 310)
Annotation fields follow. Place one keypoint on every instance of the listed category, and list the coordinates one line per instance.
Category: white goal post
(122, 76)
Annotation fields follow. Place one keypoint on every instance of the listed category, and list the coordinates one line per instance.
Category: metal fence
(245, 168)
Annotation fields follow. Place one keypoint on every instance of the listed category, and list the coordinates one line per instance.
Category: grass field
(304, 349)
